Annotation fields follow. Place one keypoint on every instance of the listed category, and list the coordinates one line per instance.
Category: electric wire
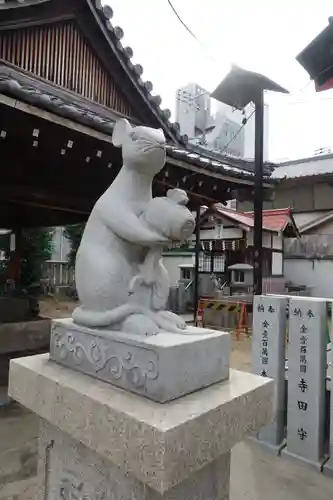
(193, 35)
(237, 133)
(188, 29)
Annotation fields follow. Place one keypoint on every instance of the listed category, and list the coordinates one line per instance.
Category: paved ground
(255, 474)
(258, 475)
(18, 454)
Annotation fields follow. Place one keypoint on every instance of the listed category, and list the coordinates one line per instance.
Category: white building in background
(193, 110)
(61, 246)
(228, 134)
(222, 131)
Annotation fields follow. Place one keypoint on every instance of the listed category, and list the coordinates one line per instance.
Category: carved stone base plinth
(161, 367)
(101, 443)
(73, 471)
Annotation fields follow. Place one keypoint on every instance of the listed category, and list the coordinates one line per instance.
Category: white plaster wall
(277, 263)
(301, 194)
(317, 275)
(172, 266)
(325, 228)
(304, 195)
(266, 239)
(277, 241)
(222, 233)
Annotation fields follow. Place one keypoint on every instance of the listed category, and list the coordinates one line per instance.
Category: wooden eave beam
(47, 206)
(82, 129)
(54, 118)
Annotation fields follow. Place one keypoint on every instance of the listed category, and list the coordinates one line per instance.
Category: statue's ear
(121, 130)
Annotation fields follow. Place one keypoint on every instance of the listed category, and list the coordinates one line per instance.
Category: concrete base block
(160, 367)
(72, 470)
(99, 442)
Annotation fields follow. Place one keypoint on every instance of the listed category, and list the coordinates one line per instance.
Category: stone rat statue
(169, 216)
(116, 241)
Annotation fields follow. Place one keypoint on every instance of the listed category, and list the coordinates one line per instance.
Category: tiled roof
(19, 84)
(237, 217)
(315, 223)
(223, 166)
(243, 164)
(304, 167)
(277, 219)
(43, 94)
(125, 54)
(114, 34)
(273, 220)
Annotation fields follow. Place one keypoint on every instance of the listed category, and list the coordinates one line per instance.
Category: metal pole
(196, 265)
(14, 265)
(258, 192)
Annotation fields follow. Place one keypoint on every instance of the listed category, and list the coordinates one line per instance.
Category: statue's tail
(98, 319)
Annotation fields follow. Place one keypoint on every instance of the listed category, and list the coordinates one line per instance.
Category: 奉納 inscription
(306, 378)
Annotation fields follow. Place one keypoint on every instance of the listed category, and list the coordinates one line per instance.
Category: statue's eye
(134, 137)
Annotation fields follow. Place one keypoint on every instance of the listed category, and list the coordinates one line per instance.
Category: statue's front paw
(170, 322)
(172, 318)
(139, 324)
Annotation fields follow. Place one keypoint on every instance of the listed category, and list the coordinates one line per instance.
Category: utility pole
(258, 191)
(196, 263)
(238, 89)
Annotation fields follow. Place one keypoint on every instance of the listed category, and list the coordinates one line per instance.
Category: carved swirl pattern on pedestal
(121, 361)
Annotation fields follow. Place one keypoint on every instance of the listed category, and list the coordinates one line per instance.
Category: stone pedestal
(268, 357)
(307, 362)
(99, 442)
(160, 367)
(328, 466)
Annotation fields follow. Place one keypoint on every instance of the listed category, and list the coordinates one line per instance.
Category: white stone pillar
(328, 466)
(268, 358)
(306, 380)
(101, 442)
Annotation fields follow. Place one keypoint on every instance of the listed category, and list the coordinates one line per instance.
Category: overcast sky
(260, 35)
